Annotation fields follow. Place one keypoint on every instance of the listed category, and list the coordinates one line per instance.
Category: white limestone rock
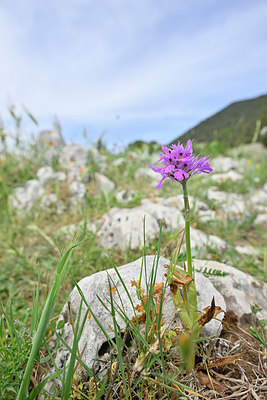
(235, 209)
(49, 150)
(218, 196)
(104, 183)
(25, 196)
(74, 173)
(206, 216)
(93, 342)
(45, 175)
(240, 290)
(231, 205)
(171, 217)
(247, 250)
(259, 197)
(48, 200)
(51, 138)
(200, 209)
(232, 175)
(174, 201)
(60, 176)
(200, 240)
(50, 143)
(74, 155)
(225, 164)
(77, 189)
(261, 219)
(124, 227)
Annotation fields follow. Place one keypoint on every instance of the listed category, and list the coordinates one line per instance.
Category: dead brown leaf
(176, 283)
(223, 361)
(210, 382)
(182, 282)
(203, 319)
(210, 312)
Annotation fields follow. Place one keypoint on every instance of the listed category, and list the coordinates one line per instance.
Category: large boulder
(124, 227)
(93, 344)
(239, 289)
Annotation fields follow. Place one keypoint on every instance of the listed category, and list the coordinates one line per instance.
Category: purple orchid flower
(180, 163)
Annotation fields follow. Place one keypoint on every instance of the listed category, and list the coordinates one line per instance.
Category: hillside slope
(233, 125)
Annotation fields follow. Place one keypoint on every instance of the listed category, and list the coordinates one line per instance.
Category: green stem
(187, 229)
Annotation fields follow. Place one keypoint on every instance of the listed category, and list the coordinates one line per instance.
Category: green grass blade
(38, 337)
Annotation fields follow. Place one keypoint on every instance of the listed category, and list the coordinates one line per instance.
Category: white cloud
(91, 60)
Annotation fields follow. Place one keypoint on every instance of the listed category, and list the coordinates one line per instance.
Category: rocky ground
(55, 194)
(77, 190)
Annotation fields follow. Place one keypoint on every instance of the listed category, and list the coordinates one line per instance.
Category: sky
(134, 69)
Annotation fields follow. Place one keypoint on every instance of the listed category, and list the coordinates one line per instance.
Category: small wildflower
(180, 163)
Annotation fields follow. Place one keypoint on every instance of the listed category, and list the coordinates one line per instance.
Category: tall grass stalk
(61, 272)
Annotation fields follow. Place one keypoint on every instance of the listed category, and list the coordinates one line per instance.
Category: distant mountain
(233, 125)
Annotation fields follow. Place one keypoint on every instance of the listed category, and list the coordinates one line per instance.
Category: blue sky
(141, 69)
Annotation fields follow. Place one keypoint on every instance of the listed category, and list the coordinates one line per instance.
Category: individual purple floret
(180, 164)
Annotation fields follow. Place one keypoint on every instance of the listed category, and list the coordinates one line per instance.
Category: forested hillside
(233, 125)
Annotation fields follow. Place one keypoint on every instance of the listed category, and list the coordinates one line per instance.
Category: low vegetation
(30, 254)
